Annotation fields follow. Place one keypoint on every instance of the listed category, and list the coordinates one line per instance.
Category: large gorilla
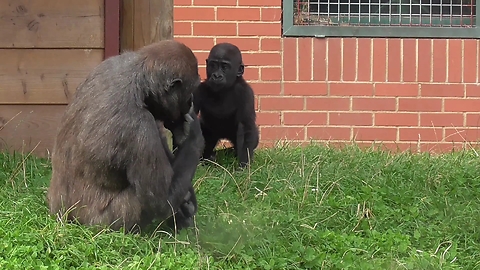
(111, 162)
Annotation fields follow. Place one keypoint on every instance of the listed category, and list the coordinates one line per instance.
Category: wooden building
(48, 47)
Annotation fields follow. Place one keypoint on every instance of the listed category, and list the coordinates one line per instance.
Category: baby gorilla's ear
(241, 70)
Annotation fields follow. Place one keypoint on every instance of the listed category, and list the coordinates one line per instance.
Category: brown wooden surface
(24, 126)
(112, 28)
(52, 23)
(144, 22)
(33, 76)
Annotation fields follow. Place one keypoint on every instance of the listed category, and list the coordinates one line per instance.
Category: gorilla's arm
(187, 156)
(247, 130)
(150, 171)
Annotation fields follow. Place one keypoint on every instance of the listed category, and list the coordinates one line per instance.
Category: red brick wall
(343, 89)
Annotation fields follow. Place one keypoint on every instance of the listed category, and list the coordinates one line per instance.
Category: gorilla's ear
(174, 85)
(241, 70)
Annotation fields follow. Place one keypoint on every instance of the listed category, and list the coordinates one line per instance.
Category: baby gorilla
(226, 104)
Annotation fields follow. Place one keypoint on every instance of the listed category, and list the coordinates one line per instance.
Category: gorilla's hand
(181, 130)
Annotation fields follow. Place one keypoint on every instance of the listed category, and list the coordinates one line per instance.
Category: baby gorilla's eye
(225, 66)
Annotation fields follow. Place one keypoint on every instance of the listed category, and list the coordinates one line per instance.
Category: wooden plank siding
(46, 49)
(44, 76)
(51, 24)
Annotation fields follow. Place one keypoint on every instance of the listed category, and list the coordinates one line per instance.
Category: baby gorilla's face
(223, 67)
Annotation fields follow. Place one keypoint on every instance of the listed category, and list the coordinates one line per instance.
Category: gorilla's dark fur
(111, 162)
(226, 104)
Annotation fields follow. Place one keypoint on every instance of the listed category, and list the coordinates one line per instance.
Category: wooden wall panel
(46, 76)
(22, 127)
(51, 23)
(144, 22)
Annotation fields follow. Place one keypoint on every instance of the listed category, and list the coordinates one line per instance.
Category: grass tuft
(315, 207)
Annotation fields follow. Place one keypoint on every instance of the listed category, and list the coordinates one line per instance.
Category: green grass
(296, 208)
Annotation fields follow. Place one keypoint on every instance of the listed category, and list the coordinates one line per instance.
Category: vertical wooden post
(112, 28)
(144, 22)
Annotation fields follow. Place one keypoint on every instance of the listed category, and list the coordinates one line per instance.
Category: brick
(214, 29)
(394, 64)
(290, 59)
(271, 14)
(350, 118)
(271, 44)
(462, 105)
(251, 73)
(364, 59)
(374, 134)
(305, 118)
(442, 90)
(182, 28)
(409, 60)
(182, 3)
(351, 89)
(420, 134)
(271, 74)
(282, 133)
(214, 2)
(328, 104)
(396, 119)
(440, 147)
(439, 60)
(319, 59)
(455, 65)
(424, 60)
(373, 104)
(472, 90)
(334, 59)
(265, 88)
(194, 14)
(197, 43)
(328, 133)
(305, 59)
(268, 118)
(473, 120)
(379, 59)
(262, 59)
(419, 104)
(470, 60)
(349, 66)
(238, 14)
(396, 90)
(260, 29)
(201, 56)
(462, 135)
(441, 119)
(244, 44)
(281, 103)
(305, 89)
(263, 3)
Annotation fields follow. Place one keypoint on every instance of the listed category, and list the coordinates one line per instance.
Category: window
(381, 18)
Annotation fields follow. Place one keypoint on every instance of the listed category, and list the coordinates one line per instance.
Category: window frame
(320, 31)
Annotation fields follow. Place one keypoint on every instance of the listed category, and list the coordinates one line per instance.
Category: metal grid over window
(415, 18)
(431, 13)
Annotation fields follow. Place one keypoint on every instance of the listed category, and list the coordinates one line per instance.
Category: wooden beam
(144, 22)
(112, 28)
